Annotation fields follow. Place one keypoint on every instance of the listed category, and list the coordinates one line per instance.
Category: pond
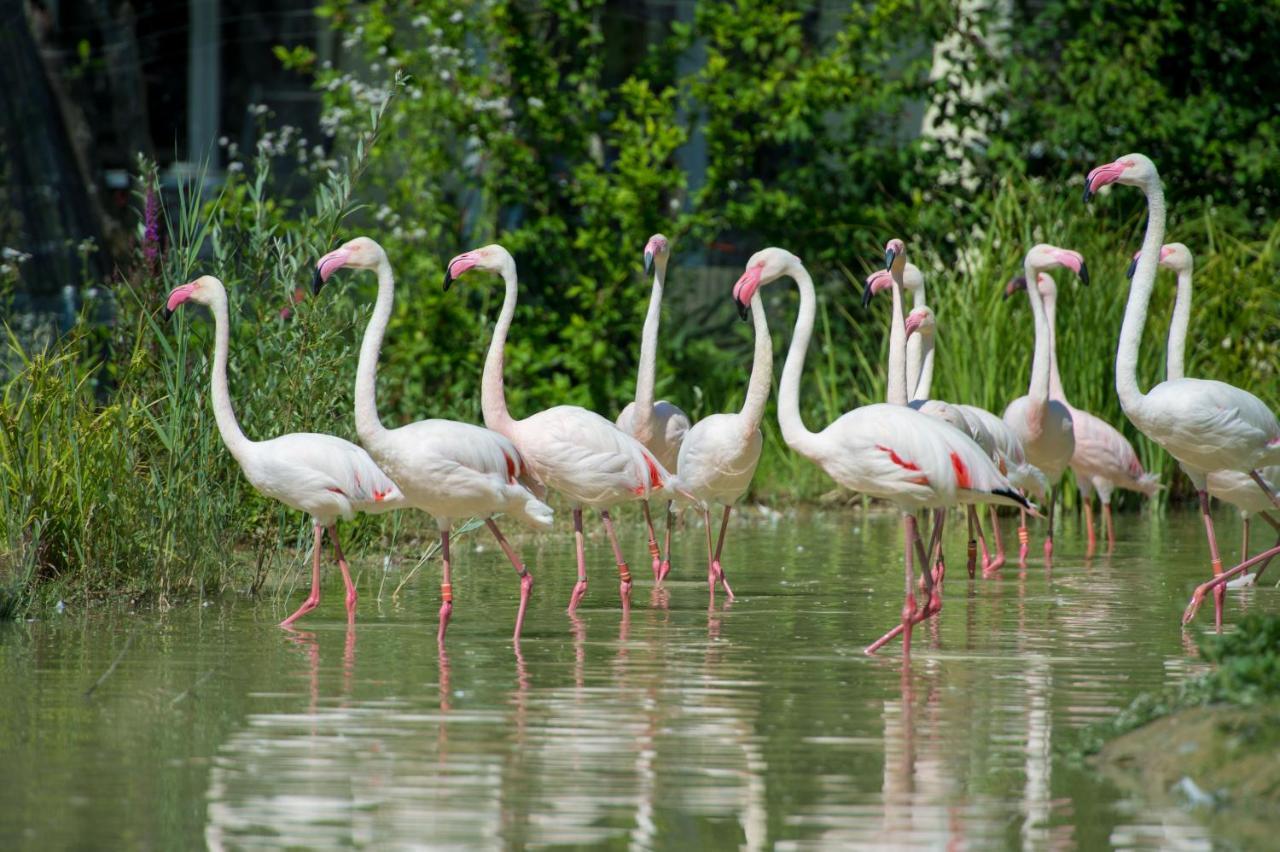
(758, 724)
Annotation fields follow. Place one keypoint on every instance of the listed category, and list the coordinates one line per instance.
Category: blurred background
(145, 143)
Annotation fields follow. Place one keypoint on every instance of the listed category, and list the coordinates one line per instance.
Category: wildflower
(151, 230)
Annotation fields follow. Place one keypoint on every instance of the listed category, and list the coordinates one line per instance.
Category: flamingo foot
(1048, 549)
(1197, 598)
(526, 586)
(446, 610)
(973, 558)
(904, 628)
(718, 571)
(1219, 601)
(657, 570)
(579, 590)
(309, 604)
(352, 597)
(624, 591)
(664, 569)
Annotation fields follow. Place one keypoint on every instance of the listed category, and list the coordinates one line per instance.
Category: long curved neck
(1038, 390)
(896, 393)
(761, 367)
(794, 432)
(642, 417)
(493, 393)
(924, 379)
(1178, 324)
(1051, 320)
(916, 348)
(1135, 311)
(223, 414)
(368, 425)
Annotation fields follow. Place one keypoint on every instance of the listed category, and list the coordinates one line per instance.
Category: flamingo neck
(493, 393)
(642, 416)
(1178, 324)
(896, 393)
(916, 349)
(794, 432)
(1051, 320)
(223, 414)
(924, 375)
(1041, 361)
(761, 367)
(1135, 311)
(368, 425)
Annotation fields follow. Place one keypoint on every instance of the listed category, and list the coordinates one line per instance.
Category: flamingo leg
(313, 599)
(1023, 538)
(624, 573)
(1111, 527)
(446, 587)
(1266, 489)
(654, 552)
(911, 539)
(1219, 591)
(982, 540)
(1219, 582)
(711, 556)
(346, 574)
(972, 563)
(1266, 516)
(526, 579)
(665, 568)
(1092, 544)
(935, 559)
(1244, 539)
(715, 563)
(998, 562)
(580, 588)
(1048, 540)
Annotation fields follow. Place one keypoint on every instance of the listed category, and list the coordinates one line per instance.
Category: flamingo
(447, 469)
(661, 425)
(1043, 423)
(574, 451)
(322, 475)
(886, 451)
(1103, 459)
(1229, 486)
(991, 433)
(1206, 425)
(720, 453)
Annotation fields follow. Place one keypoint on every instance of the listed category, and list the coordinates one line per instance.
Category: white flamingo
(886, 451)
(572, 450)
(322, 475)
(1103, 459)
(1229, 486)
(449, 470)
(1206, 425)
(661, 425)
(720, 453)
(1042, 423)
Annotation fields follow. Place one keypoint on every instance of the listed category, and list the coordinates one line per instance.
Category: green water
(754, 725)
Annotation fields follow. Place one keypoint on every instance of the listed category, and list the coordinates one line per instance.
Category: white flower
(456, 18)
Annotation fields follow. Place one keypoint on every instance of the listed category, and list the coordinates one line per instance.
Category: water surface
(755, 725)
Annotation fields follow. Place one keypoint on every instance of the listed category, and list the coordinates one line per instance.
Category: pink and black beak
(876, 281)
(327, 265)
(177, 296)
(1074, 261)
(889, 254)
(1133, 265)
(459, 265)
(1101, 176)
(1015, 285)
(745, 288)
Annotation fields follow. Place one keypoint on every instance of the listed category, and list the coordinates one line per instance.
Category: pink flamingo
(1103, 459)
(660, 426)
(1229, 486)
(574, 451)
(886, 451)
(1206, 425)
(1043, 423)
(719, 455)
(322, 475)
(447, 469)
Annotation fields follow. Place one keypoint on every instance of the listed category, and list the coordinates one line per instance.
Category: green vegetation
(555, 129)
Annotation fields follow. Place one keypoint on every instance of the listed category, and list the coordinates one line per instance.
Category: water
(756, 725)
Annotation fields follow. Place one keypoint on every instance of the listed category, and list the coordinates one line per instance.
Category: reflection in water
(755, 726)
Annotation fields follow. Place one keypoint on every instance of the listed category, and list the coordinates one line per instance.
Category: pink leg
(346, 574)
(998, 536)
(911, 539)
(1023, 538)
(1092, 546)
(665, 568)
(1244, 538)
(313, 599)
(1219, 582)
(1048, 540)
(935, 559)
(526, 579)
(1111, 527)
(715, 563)
(972, 564)
(653, 542)
(1266, 516)
(711, 557)
(982, 541)
(580, 588)
(446, 588)
(1219, 591)
(624, 573)
(1262, 483)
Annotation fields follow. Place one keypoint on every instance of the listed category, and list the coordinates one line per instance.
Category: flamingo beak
(745, 288)
(176, 297)
(1133, 266)
(912, 324)
(1015, 285)
(1101, 176)
(889, 255)
(876, 281)
(326, 266)
(1084, 273)
(648, 261)
(457, 266)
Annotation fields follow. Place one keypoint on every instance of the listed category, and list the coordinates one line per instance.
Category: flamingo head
(360, 253)
(204, 290)
(923, 321)
(1016, 285)
(1044, 256)
(877, 282)
(491, 258)
(895, 251)
(1131, 169)
(1175, 256)
(763, 267)
(659, 249)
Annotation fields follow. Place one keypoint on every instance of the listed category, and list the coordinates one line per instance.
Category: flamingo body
(669, 427)
(1104, 459)
(718, 459)
(1046, 433)
(322, 475)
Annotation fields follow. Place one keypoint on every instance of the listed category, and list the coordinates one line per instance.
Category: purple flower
(151, 229)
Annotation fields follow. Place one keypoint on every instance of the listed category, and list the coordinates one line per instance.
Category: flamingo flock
(922, 455)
